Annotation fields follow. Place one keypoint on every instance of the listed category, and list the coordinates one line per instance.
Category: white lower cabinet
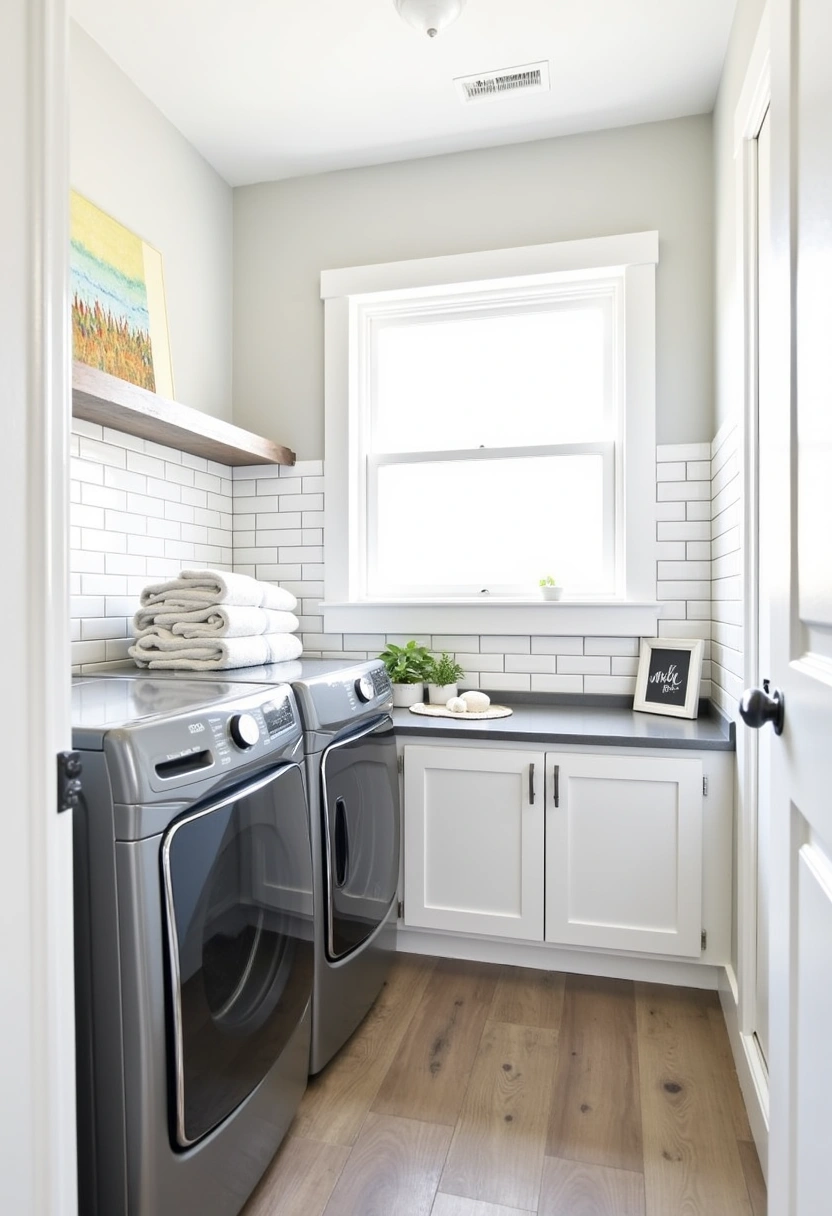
(575, 849)
(473, 840)
(624, 852)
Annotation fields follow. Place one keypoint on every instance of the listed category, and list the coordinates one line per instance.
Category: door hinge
(400, 763)
(400, 909)
(705, 787)
(704, 939)
(69, 781)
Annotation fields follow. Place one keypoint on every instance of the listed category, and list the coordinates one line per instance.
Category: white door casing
(624, 853)
(37, 1115)
(759, 1021)
(800, 1168)
(473, 840)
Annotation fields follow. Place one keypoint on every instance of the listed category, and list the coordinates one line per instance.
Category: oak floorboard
(428, 1077)
(393, 1169)
(498, 1145)
(457, 1205)
(574, 1188)
(299, 1180)
(596, 1117)
(338, 1099)
(742, 1128)
(691, 1159)
(754, 1180)
(528, 997)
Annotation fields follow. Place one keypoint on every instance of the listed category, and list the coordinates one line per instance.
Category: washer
(355, 823)
(194, 940)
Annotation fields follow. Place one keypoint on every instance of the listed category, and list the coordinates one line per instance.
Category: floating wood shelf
(102, 398)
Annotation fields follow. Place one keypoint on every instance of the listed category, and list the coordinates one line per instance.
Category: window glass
(498, 379)
(501, 523)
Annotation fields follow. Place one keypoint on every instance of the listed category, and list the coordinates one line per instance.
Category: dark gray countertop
(579, 724)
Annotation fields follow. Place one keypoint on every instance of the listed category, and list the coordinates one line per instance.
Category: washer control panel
(278, 715)
(244, 730)
(365, 688)
(219, 739)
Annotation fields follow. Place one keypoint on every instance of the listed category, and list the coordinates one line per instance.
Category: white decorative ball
(476, 702)
(456, 705)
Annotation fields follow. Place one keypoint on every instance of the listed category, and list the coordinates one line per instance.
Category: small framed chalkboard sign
(669, 670)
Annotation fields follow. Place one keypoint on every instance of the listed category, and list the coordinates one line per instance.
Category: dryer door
(360, 788)
(238, 889)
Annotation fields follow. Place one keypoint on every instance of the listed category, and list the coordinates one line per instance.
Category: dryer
(194, 940)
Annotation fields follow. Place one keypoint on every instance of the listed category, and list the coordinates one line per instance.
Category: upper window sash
(370, 320)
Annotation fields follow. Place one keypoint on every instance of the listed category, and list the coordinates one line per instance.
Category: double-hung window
(483, 433)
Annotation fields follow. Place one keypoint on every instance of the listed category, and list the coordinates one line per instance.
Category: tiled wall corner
(726, 570)
(683, 535)
(139, 512)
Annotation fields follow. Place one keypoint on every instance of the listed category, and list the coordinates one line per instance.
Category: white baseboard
(751, 1069)
(554, 958)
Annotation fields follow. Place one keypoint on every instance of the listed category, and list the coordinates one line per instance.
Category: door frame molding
(738, 993)
(37, 1044)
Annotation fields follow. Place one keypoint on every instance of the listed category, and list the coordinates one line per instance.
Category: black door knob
(760, 705)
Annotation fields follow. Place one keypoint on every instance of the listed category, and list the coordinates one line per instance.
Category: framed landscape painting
(119, 317)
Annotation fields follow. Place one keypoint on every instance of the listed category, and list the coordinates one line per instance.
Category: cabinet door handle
(556, 784)
(531, 785)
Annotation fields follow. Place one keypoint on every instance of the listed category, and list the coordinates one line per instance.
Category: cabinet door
(624, 853)
(473, 840)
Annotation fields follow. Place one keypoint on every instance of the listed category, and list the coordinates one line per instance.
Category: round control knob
(365, 688)
(244, 730)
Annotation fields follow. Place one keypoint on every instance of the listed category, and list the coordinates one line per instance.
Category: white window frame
(353, 298)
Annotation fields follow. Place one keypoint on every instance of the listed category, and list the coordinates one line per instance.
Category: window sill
(559, 618)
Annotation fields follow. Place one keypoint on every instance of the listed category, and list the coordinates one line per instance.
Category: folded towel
(204, 588)
(215, 622)
(162, 649)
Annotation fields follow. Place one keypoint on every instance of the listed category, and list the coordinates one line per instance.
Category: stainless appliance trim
(173, 945)
(384, 721)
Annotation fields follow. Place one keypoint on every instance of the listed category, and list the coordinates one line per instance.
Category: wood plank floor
(478, 1090)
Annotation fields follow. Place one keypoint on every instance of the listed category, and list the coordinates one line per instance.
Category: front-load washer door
(360, 791)
(237, 880)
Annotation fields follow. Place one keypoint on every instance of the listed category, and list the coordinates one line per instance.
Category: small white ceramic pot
(405, 695)
(551, 593)
(440, 694)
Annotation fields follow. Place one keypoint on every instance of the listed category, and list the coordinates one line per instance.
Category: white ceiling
(268, 89)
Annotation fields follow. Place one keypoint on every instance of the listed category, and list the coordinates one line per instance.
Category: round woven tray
(439, 711)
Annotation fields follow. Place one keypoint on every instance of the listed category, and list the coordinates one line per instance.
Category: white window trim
(634, 611)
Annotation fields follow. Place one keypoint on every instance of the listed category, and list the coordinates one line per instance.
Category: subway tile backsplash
(272, 539)
(140, 512)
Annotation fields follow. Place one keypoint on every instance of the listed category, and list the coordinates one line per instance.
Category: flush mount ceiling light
(429, 16)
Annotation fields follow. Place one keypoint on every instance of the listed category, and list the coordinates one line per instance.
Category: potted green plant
(406, 669)
(549, 589)
(442, 675)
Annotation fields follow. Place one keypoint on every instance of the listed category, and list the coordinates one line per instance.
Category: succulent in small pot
(442, 676)
(549, 589)
(406, 668)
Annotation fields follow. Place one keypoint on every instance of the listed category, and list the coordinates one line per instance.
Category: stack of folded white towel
(208, 620)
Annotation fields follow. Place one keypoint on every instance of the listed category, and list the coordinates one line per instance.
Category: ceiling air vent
(528, 78)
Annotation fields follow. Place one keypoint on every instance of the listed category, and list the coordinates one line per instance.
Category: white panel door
(473, 840)
(624, 852)
(798, 433)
